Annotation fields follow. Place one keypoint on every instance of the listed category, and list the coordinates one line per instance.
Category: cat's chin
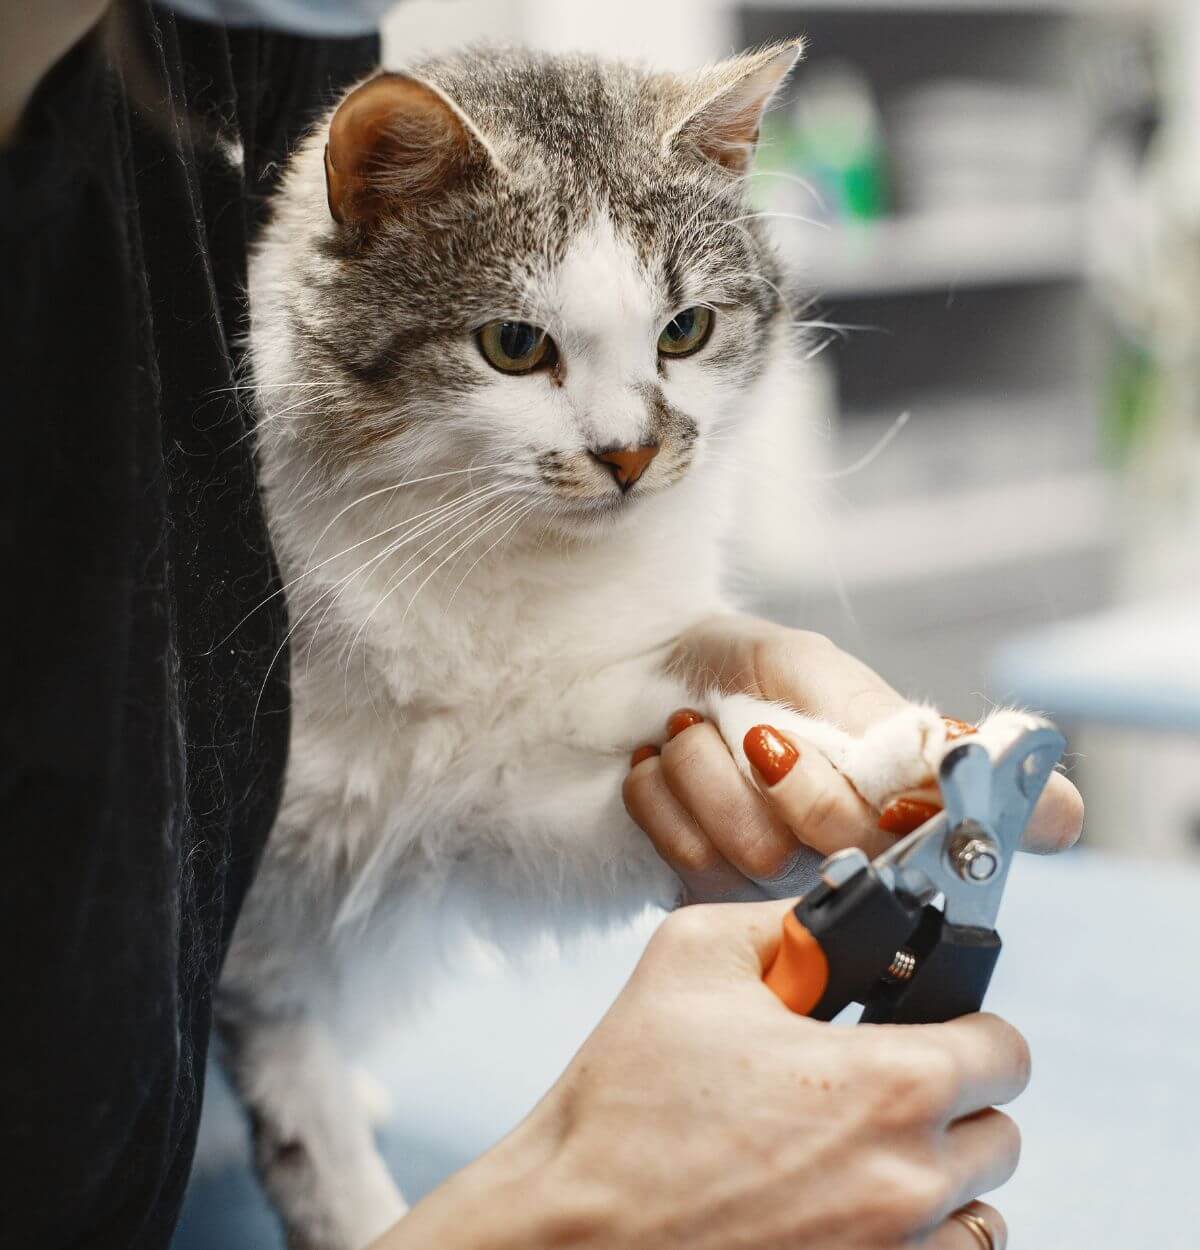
(595, 517)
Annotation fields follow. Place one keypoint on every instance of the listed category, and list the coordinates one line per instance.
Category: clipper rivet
(976, 860)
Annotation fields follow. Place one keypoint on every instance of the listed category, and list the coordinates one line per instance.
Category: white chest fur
(481, 727)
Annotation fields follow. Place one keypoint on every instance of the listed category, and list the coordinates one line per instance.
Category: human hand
(702, 1113)
(721, 833)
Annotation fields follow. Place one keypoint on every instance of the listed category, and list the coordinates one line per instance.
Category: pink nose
(627, 464)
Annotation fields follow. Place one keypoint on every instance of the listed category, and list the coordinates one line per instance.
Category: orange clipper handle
(799, 973)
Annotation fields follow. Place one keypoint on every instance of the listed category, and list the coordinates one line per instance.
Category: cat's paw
(900, 756)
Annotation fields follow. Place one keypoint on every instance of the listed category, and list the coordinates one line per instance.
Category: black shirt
(143, 701)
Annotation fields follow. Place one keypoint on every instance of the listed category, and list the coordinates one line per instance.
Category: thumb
(738, 939)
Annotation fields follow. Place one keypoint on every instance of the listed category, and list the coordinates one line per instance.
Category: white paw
(1001, 728)
(734, 714)
(898, 755)
(902, 754)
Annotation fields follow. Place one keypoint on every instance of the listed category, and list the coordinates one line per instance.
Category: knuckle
(692, 855)
(1019, 1055)
(929, 1193)
(684, 755)
(766, 857)
(729, 813)
(1009, 1134)
(783, 648)
(811, 640)
(906, 1198)
(824, 811)
(920, 1083)
(778, 653)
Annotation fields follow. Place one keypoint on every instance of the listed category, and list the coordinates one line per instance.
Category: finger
(1054, 825)
(703, 776)
(983, 1151)
(957, 1234)
(992, 1062)
(809, 795)
(706, 874)
(742, 654)
(1057, 820)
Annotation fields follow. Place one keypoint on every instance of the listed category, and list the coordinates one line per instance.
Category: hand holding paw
(852, 765)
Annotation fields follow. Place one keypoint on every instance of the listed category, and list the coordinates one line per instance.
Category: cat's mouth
(596, 509)
(597, 485)
(580, 516)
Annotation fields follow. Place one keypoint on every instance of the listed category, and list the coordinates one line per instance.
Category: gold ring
(977, 1227)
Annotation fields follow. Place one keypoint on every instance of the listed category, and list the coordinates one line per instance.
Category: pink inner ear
(730, 140)
(726, 128)
(392, 141)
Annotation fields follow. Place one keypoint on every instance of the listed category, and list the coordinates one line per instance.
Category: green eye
(687, 332)
(516, 346)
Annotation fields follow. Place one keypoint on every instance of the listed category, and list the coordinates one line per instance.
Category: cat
(506, 310)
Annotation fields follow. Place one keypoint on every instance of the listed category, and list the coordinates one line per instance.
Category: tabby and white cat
(506, 307)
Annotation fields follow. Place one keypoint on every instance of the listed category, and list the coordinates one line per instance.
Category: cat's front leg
(314, 1142)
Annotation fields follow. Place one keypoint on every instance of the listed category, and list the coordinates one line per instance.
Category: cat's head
(540, 266)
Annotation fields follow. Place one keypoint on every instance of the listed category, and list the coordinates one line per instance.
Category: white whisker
(414, 481)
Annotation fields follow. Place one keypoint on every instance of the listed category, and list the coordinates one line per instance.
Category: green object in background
(863, 186)
(832, 140)
(1134, 389)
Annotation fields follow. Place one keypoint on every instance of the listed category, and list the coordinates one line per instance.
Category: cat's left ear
(397, 143)
(724, 107)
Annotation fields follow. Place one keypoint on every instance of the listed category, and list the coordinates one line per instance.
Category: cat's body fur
(465, 705)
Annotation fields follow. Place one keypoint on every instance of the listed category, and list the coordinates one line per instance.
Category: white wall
(673, 34)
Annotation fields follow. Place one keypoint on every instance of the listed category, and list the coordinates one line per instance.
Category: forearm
(515, 1197)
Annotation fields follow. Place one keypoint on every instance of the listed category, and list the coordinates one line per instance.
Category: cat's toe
(898, 755)
(1001, 728)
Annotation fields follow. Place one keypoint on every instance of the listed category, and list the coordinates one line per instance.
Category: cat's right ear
(396, 143)
(723, 105)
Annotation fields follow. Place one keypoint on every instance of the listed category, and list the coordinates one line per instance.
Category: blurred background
(991, 209)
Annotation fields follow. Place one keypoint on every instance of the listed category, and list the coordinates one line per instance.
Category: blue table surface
(1136, 664)
(1101, 971)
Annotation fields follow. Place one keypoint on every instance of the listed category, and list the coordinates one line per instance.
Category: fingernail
(771, 755)
(902, 816)
(685, 718)
(956, 728)
(642, 753)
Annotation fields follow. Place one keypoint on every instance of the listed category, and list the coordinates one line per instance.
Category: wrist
(522, 1194)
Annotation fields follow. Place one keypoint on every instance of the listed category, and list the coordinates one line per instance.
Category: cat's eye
(686, 332)
(516, 346)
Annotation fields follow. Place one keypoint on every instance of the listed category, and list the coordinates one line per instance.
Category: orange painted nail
(771, 755)
(902, 815)
(956, 728)
(685, 718)
(642, 753)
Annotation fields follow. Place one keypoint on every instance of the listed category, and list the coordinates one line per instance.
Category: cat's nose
(626, 464)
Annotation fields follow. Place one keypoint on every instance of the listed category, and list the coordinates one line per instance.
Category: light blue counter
(1137, 665)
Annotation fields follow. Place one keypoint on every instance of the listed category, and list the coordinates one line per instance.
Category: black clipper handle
(953, 967)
